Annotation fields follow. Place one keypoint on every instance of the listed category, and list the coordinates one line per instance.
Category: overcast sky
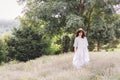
(9, 9)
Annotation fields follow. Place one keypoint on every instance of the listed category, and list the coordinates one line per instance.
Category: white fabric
(81, 56)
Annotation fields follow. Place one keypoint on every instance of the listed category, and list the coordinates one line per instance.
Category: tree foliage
(66, 16)
(3, 51)
(27, 43)
(65, 43)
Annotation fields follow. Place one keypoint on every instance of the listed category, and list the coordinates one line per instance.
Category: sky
(9, 9)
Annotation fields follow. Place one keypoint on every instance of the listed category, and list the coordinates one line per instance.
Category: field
(102, 66)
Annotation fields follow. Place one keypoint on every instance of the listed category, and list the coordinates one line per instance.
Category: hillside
(103, 66)
(7, 26)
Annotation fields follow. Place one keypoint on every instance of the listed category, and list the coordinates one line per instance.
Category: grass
(103, 66)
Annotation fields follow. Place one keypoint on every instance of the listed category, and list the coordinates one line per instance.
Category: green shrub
(91, 46)
(28, 43)
(65, 43)
(3, 51)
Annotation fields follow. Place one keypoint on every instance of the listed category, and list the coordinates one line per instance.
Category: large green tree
(66, 16)
(27, 43)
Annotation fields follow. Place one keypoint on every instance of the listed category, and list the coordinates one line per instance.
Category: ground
(102, 66)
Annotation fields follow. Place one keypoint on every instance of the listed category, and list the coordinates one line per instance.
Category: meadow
(102, 66)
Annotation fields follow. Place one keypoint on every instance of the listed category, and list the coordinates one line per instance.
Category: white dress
(81, 56)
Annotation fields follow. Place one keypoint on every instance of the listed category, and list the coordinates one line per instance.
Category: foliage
(27, 43)
(65, 43)
(65, 16)
(117, 26)
(3, 51)
(54, 49)
(112, 45)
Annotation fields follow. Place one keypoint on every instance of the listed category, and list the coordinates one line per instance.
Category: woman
(81, 56)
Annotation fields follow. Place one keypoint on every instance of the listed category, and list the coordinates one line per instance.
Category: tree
(3, 51)
(69, 15)
(27, 43)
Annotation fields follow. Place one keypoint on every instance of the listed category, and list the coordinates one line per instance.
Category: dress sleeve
(75, 43)
(86, 41)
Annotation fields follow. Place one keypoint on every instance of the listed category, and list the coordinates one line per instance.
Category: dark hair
(83, 33)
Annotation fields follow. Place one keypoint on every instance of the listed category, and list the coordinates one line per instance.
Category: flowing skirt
(81, 57)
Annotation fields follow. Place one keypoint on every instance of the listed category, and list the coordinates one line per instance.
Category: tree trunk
(81, 11)
(98, 45)
(81, 7)
(89, 20)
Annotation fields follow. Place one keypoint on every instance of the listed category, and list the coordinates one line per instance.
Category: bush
(55, 49)
(3, 51)
(65, 43)
(91, 43)
(71, 43)
(28, 43)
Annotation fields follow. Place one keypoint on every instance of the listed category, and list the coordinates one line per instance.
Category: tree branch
(81, 7)
(89, 20)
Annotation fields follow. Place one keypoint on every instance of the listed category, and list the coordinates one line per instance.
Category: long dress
(81, 56)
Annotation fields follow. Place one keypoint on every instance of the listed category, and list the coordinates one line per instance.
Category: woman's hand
(75, 49)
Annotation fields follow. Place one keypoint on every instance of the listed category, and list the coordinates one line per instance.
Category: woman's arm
(86, 41)
(75, 49)
(75, 44)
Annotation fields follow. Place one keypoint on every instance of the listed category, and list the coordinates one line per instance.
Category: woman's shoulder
(85, 37)
(80, 38)
(76, 37)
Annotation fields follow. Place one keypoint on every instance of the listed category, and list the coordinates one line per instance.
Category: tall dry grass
(102, 66)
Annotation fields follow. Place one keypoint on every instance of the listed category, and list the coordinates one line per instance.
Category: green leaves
(3, 51)
(66, 16)
(73, 22)
(27, 43)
